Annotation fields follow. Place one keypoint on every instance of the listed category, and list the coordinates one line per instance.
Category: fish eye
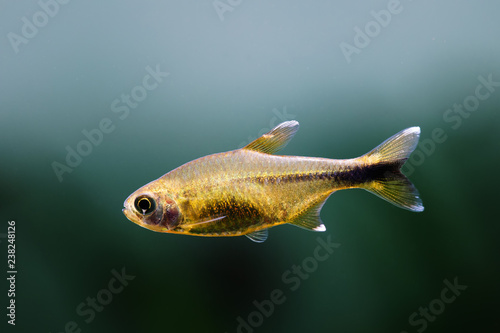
(145, 205)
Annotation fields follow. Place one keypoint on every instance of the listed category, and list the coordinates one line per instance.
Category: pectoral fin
(206, 221)
(275, 139)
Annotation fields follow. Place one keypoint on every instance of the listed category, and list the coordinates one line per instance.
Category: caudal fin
(387, 159)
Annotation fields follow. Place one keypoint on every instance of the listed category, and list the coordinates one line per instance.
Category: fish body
(249, 190)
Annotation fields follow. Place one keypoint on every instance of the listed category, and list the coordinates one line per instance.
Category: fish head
(153, 210)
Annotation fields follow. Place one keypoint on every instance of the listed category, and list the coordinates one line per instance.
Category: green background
(228, 81)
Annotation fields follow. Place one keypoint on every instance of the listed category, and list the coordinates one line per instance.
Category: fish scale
(249, 190)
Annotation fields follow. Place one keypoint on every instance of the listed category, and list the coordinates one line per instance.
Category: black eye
(145, 205)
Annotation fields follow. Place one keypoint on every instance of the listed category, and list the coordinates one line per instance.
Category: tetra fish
(249, 190)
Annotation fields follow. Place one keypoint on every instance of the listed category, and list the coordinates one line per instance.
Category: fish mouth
(137, 220)
(132, 217)
(127, 209)
(127, 214)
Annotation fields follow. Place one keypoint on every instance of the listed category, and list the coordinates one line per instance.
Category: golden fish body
(247, 191)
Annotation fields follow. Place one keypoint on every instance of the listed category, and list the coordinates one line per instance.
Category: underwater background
(99, 98)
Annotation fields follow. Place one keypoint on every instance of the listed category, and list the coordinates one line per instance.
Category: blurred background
(99, 98)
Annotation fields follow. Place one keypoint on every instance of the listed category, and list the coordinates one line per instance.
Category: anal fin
(258, 236)
(310, 219)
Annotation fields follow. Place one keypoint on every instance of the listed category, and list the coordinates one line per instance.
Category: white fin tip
(414, 129)
(320, 227)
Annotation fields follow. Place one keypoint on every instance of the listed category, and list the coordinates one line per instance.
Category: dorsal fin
(258, 236)
(275, 139)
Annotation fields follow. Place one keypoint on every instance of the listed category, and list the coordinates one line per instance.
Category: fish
(249, 190)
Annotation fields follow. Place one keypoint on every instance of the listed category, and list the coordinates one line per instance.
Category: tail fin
(390, 184)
